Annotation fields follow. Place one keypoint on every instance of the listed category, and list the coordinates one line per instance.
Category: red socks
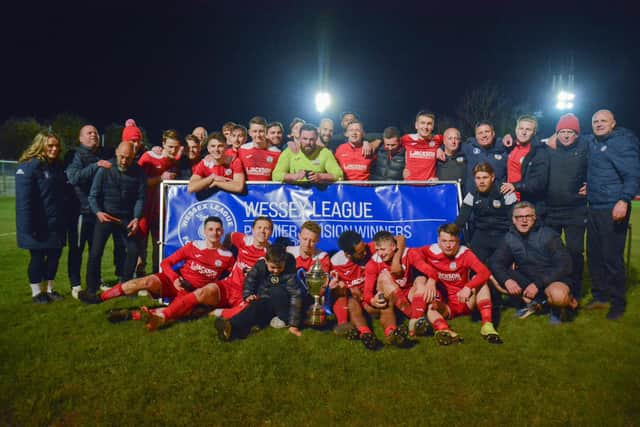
(418, 306)
(341, 310)
(389, 329)
(114, 292)
(485, 307)
(180, 306)
(401, 302)
(364, 330)
(440, 325)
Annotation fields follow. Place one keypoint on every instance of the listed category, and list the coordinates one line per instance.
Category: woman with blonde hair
(40, 210)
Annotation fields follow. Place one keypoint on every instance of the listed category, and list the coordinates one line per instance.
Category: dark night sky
(178, 64)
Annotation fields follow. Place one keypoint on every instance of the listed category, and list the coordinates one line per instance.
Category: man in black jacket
(86, 160)
(565, 198)
(116, 198)
(389, 162)
(543, 265)
(271, 290)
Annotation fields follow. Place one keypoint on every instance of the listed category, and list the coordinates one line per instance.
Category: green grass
(64, 364)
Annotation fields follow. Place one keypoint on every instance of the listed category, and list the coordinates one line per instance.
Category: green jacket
(322, 162)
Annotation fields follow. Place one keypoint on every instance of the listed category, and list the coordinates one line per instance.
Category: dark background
(181, 64)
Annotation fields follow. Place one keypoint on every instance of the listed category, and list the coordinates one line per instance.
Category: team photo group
(532, 210)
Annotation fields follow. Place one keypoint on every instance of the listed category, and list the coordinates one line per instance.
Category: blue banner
(411, 210)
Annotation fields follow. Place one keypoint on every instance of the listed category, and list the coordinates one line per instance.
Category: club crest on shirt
(603, 148)
(498, 156)
(274, 280)
(453, 265)
(476, 151)
(497, 204)
(269, 159)
(190, 226)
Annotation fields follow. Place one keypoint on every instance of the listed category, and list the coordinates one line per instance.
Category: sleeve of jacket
(294, 291)
(137, 208)
(76, 174)
(562, 265)
(501, 261)
(625, 157)
(536, 175)
(465, 211)
(25, 184)
(253, 279)
(97, 192)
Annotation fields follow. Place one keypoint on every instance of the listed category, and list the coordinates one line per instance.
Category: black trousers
(80, 233)
(43, 264)
(101, 233)
(605, 256)
(574, 240)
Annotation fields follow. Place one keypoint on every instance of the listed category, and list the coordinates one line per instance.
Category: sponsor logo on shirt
(449, 277)
(421, 154)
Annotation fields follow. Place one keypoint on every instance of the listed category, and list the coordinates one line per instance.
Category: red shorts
(230, 294)
(167, 290)
(456, 308)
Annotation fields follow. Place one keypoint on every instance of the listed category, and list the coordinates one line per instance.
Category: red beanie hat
(568, 121)
(131, 132)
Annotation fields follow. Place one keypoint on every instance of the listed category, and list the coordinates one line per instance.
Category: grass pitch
(64, 364)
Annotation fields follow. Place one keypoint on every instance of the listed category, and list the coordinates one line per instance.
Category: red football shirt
(453, 272)
(306, 263)
(258, 162)
(349, 272)
(514, 164)
(411, 258)
(420, 156)
(202, 265)
(205, 168)
(353, 163)
(248, 255)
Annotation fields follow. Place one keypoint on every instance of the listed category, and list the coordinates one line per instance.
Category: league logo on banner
(410, 210)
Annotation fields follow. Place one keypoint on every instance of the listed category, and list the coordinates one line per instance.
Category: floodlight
(323, 100)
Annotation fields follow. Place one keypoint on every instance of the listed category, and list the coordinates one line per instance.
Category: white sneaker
(143, 293)
(75, 290)
(277, 323)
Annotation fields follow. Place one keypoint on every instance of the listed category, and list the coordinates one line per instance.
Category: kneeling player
(407, 290)
(270, 289)
(453, 264)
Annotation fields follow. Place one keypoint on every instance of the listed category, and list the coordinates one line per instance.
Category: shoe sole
(447, 339)
(493, 338)
(224, 329)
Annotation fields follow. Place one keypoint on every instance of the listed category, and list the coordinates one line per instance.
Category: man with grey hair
(613, 180)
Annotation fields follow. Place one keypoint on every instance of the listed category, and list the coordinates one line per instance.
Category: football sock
(485, 308)
(388, 330)
(35, 289)
(364, 330)
(341, 310)
(180, 306)
(401, 302)
(112, 292)
(440, 325)
(49, 286)
(418, 306)
(135, 315)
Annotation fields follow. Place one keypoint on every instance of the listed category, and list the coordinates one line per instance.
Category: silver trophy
(314, 280)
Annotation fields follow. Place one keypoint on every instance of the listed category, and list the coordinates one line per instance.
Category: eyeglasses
(523, 217)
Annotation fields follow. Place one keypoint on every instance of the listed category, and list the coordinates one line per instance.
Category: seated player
(217, 170)
(250, 249)
(205, 261)
(457, 292)
(543, 266)
(226, 293)
(306, 255)
(406, 291)
(348, 267)
(270, 290)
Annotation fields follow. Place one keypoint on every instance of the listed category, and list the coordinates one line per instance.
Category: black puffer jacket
(120, 194)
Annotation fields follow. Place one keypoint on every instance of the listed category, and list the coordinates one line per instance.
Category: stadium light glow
(323, 100)
(565, 100)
